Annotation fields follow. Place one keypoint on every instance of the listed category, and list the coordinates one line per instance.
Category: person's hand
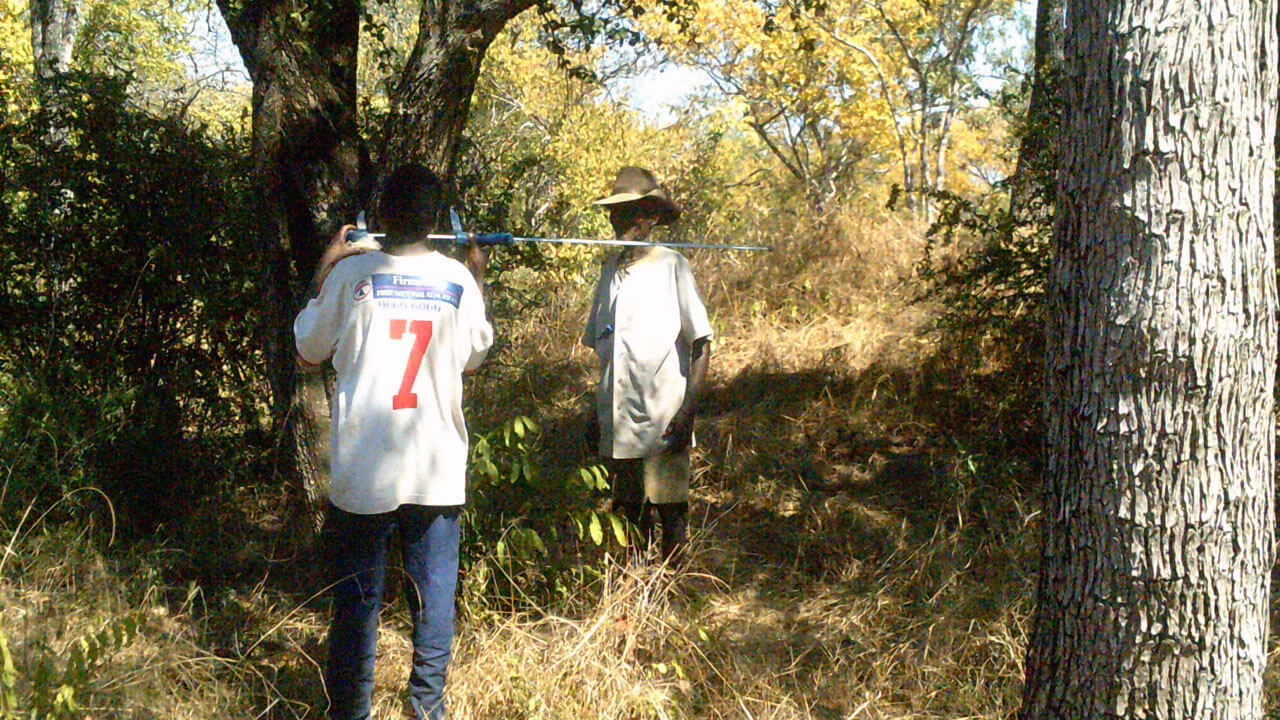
(338, 248)
(304, 365)
(679, 433)
(477, 258)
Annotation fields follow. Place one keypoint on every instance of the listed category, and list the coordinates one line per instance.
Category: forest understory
(864, 538)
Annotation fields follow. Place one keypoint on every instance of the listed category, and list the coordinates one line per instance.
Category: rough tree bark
(54, 24)
(307, 162)
(431, 102)
(1153, 594)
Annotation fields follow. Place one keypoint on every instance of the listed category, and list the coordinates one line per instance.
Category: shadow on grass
(861, 518)
(892, 497)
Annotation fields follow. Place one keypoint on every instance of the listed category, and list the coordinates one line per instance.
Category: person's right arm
(316, 327)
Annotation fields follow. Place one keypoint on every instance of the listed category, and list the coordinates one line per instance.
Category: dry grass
(58, 591)
(625, 656)
(863, 539)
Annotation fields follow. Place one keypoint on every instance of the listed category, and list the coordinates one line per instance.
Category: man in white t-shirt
(650, 332)
(401, 326)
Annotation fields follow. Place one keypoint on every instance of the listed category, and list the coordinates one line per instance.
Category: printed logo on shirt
(391, 286)
(362, 291)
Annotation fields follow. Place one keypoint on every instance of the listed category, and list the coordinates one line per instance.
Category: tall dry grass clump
(86, 642)
(95, 628)
(623, 654)
(835, 290)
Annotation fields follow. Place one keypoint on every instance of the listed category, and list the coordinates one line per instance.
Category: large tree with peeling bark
(1153, 594)
(307, 163)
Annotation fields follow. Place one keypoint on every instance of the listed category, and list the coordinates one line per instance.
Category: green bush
(129, 344)
(53, 684)
(994, 290)
(533, 537)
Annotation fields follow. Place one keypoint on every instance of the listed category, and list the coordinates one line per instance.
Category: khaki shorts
(666, 477)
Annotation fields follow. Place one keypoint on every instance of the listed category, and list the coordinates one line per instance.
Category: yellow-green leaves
(842, 96)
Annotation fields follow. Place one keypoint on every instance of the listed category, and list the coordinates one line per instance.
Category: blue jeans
(357, 551)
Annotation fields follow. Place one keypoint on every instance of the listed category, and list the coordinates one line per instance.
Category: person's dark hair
(413, 203)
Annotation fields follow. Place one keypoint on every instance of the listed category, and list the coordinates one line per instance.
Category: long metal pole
(489, 239)
(462, 237)
(626, 243)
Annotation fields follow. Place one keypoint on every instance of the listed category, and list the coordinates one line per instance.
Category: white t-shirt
(401, 330)
(643, 322)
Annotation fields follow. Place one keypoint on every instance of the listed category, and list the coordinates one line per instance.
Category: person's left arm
(695, 328)
(479, 332)
(679, 432)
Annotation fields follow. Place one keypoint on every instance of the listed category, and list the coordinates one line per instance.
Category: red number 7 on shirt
(421, 330)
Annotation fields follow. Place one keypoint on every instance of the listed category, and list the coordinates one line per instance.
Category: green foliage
(530, 533)
(162, 46)
(993, 287)
(147, 39)
(996, 284)
(15, 58)
(999, 284)
(131, 299)
(55, 682)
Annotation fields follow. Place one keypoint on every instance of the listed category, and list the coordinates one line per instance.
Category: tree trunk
(926, 200)
(54, 24)
(1153, 593)
(1037, 151)
(431, 103)
(307, 162)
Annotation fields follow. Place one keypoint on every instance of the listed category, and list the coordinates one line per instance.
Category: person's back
(406, 328)
(401, 327)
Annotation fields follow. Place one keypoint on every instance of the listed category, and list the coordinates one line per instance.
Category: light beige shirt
(644, 319)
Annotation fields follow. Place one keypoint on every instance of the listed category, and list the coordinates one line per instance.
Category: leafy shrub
(54, 683)
(994, 287)
(129, 342)
(530, 533)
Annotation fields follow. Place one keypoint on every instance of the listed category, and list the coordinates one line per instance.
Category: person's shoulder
(367, 258)
(453, 267)
(434, 262)
(353, 266)
(451, 270)
(672, 257)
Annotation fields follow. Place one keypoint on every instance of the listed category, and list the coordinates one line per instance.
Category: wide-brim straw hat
(635, 184)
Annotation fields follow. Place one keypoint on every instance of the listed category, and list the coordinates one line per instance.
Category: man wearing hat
(650, 332)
